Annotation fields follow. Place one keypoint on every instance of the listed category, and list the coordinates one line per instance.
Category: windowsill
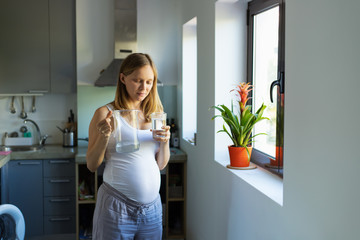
(266, 182)
(189, 141)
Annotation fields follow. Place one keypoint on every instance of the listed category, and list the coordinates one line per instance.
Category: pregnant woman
(128, 205)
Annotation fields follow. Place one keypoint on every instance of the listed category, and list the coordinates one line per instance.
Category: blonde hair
(152, 102)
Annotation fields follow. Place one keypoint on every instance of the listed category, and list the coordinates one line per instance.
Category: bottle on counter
(174, 139)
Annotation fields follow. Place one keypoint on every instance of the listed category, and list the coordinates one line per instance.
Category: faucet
(42, 139)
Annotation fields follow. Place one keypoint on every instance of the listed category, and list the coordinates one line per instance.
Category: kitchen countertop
(79, 153)
(176, 155)
(47, 152)
(4, 159)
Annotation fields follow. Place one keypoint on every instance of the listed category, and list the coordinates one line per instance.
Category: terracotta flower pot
(239, 156)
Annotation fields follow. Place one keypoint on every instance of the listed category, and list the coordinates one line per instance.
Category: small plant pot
(239, 156)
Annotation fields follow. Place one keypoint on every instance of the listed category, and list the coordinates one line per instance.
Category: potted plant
(240, 124)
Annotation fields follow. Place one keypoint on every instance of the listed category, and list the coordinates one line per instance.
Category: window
(189, 81)
(266, 73)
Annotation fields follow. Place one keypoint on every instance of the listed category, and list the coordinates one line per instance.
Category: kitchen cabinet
(44, 191)
(175, 204)
(24, 46)
(59, 196)
(37, 46)
(62, 46)
(23, 187)
(86, 194)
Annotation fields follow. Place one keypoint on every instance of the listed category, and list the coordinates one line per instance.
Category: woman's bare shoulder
(101, 111)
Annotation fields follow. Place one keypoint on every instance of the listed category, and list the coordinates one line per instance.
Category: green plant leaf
(248, 153)
(258, 134)
(226, 131)
(240, 125)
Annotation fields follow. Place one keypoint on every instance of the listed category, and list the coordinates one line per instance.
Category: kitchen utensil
(23, 114)
(71, 125)
(33, 109)
(71, 116)
(68, 139)
(12, 108)
(62, 130)
(126, 125)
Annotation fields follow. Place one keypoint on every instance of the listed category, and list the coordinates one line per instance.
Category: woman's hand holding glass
(161, 132)
(162, 135)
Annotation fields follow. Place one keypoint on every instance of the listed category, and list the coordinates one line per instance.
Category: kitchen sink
(27, 148)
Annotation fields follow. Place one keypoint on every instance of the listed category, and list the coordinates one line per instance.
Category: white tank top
(134, 174)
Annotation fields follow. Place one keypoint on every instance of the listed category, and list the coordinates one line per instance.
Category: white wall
(94, 37)
(321, 193)
(158, 35)
(321, 119)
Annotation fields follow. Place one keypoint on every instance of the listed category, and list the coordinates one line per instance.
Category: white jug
(126, 125)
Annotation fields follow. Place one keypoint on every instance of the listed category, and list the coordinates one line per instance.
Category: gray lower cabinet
(44, 190)
(22, 186)
(59, 196)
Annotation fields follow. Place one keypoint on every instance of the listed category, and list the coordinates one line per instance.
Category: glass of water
(158, 120)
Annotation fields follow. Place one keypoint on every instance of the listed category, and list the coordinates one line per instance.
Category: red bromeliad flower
(243, 90)
(239, 127)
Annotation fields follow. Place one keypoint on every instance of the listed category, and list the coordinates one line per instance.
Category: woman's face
(138, 83)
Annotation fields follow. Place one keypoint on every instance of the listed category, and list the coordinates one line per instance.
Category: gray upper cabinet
(62, 46)
(24, 46)
(37, 46)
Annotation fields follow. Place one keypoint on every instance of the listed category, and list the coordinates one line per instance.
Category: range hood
(125, 40)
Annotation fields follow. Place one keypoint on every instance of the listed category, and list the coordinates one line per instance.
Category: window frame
(256, 7)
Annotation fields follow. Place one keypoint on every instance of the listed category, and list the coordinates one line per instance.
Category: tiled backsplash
(51, 110)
